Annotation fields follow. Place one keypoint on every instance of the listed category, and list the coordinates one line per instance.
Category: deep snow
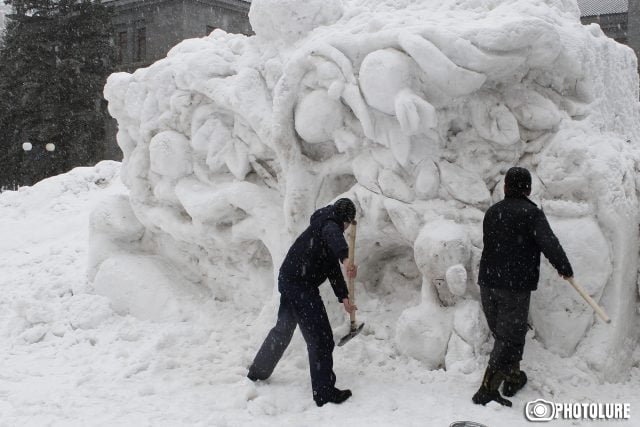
(69, 360)
(415, 109)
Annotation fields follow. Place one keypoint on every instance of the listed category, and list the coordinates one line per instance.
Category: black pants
(305, 309)
(506, 312)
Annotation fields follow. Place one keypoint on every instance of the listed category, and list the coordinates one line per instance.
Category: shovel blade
(352, 333)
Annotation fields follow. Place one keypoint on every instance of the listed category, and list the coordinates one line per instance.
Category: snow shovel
(590, 300)
(355, 329)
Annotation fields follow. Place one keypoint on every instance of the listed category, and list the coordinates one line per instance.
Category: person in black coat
(314, 256)
(515, 232)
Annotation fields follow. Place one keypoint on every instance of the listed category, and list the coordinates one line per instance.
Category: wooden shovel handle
(589, 300)
(351, 281)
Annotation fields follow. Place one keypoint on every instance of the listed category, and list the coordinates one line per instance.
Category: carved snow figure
(415, 112)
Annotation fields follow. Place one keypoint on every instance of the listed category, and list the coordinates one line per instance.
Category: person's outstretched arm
(550, 246)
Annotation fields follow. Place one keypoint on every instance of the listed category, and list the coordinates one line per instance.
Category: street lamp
(27, 146)
(34, 166)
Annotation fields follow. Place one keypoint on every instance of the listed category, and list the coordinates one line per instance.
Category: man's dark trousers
(506, 312)
(303, 307)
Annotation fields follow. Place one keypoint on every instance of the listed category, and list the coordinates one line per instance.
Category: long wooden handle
(590, 300)
(352, 254)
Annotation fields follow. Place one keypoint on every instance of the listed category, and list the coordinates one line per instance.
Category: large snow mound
(415, 110)
(69, 359)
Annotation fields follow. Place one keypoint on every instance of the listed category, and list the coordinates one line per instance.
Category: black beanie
(345, 210)
(517, 182)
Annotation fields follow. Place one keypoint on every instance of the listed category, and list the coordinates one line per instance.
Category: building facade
(615, 17)
(614, 25)
(633, 26)
(145, 30)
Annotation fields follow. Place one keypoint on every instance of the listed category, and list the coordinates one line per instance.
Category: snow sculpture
(415, 110)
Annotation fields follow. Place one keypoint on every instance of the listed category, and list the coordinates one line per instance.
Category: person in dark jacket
(314, 256)
(515, 231)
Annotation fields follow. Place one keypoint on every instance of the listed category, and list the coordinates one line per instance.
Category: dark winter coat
(315, 256)
(516, 231)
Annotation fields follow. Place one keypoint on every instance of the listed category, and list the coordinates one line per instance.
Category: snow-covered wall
(415, 110)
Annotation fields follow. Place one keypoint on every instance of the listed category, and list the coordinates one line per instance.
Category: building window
(122, 46)
(141, 44)
(210, 29)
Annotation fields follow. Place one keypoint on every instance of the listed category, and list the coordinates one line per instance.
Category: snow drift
(415, 110)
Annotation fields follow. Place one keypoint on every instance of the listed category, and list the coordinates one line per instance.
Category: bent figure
(313, 257)
(515, 232)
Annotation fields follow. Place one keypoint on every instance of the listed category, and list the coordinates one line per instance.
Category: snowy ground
(68, 360)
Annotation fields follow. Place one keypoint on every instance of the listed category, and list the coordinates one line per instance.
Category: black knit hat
(345, 210)
(517, 182)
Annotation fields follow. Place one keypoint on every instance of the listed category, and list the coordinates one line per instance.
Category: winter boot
(253, 377)
(516, 379)
(255, 374)
(337, 396)
(488, 390)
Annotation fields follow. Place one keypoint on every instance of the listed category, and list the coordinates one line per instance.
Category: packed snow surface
(70, 357)
(415, 110)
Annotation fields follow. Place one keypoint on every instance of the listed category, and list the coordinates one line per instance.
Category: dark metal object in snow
(352, 333)
(466, 424)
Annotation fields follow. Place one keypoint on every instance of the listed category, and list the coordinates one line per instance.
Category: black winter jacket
(515, 233)
(315, 256)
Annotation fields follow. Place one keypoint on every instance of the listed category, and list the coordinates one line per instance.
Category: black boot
(253, 377)
(488, 391)
(255, 374)
(516, 379)
(337, 396)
